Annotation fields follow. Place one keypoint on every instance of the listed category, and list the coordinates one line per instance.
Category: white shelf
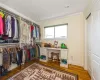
(64, 65)
(54, 48)
(63, 54)
(43, 60)
(3, 44)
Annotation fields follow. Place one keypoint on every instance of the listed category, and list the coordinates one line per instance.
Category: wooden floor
(82, 74)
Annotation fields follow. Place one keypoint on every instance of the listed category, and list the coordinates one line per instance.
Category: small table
(48, 53)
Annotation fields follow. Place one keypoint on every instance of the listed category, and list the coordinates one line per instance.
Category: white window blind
(49, 32)
(58, 32)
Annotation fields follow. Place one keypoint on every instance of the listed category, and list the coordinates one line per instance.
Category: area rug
(38, 71)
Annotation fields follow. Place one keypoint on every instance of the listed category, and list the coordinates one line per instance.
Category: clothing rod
(88, 16)
(35, 25)
(9, 13)
(27, 21)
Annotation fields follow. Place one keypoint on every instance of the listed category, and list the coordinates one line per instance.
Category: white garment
(1, 59)
(9, 30)
(25, 32)
(29, 35)
(23, 58)
(16, 29)
(37, 32)
(24, 27)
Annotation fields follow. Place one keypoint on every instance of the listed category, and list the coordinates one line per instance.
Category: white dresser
(45, 53)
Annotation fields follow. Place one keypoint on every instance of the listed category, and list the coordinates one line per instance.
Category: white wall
(75, 40)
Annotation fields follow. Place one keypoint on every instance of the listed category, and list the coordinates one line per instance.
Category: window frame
(54, 32)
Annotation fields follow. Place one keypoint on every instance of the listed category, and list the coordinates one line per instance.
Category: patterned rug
(40, 72)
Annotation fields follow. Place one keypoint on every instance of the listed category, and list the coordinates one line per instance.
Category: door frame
(85, 55)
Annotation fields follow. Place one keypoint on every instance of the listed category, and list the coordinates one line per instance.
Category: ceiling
(45, 9)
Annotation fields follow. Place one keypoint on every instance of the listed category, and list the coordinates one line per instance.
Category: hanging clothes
(1, 58)
(8, 26)
(34, 32)
(31, 29)
(32, 53)
(1, 25)
(14, 55)
(24, 57)
(13, 26)
(18, 26)
(4, 26)
(36, 55)
(19, 57)
(38, 50)
(6, 59)
(23, 35)
(28, 53)
(28, 34)
(37, 32)
(16, 30)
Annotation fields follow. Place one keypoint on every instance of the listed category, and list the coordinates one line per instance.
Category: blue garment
(34, 32)
(38, 33)
(32, 55)
(19, 57)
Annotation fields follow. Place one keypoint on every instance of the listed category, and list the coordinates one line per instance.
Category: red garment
(32, 28)
(1, 25)
(28, 54)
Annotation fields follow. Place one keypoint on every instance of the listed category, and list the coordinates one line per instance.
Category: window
(49, 32)
(57, 32)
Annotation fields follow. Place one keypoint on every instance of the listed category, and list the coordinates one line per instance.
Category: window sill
(55, 38)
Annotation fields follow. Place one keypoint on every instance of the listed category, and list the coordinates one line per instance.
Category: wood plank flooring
(82, 74)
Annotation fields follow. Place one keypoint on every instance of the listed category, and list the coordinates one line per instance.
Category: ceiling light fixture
(66, 6)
